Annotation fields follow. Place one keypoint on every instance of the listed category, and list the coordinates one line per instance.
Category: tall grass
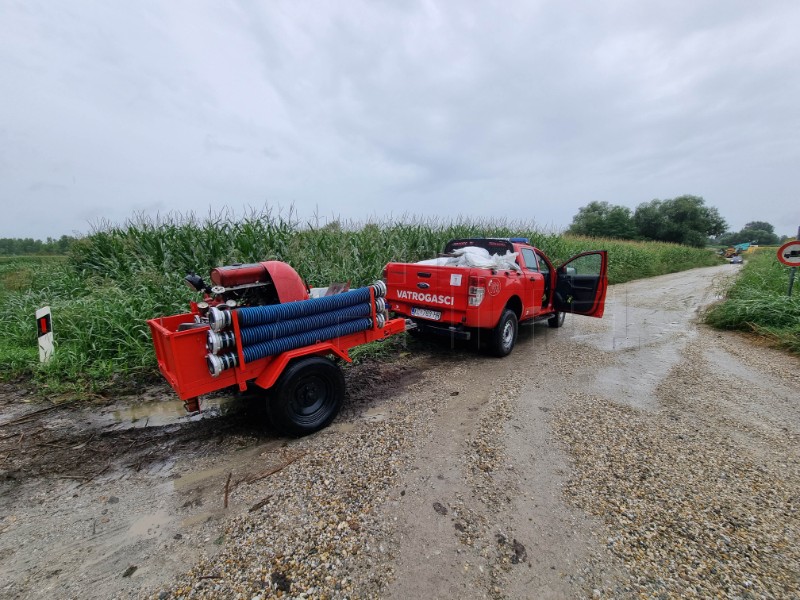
(338, 251)
(758, 302)
(20, 280)
(121, 275)
(99, 322)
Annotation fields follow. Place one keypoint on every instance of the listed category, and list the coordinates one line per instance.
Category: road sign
(44, 329)
(789, 254)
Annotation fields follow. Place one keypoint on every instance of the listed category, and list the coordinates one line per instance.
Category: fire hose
(273, 329)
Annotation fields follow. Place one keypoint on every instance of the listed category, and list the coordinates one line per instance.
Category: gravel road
(641, 455)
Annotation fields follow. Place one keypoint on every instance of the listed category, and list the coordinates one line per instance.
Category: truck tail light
(476, 291)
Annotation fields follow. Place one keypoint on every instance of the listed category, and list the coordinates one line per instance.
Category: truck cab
(487, 286)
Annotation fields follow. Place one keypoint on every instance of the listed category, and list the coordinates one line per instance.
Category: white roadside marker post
(44, 329)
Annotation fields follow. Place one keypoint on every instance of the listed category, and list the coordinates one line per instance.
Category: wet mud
(100, 499)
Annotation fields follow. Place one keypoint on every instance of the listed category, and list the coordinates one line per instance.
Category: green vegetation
(117, 278)
(99, 324)
(29, 246)
(21, 279)
(606, 220)
(682, 220)
(757, 302)
(756, 232)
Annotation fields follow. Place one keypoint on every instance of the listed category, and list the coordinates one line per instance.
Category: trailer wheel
(307, 396)
(557, 320)
(504, 336)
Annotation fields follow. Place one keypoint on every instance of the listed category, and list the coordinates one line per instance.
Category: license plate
(433, 315)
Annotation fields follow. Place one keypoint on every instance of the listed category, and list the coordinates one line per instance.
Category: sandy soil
(494, 488)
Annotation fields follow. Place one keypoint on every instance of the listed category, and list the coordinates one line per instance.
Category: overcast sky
(367, 109)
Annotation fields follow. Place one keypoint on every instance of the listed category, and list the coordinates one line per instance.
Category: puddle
(189, 479)
(148, 525)
(201, 518)
(157, 413)
(239, 462)
(166, 412)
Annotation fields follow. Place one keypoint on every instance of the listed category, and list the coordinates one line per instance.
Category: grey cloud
(516, 109)
(212, 145)
(44, 186)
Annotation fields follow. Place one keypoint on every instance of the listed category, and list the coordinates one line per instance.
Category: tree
(601, 219)
(756, 232)
(762, 225)
(649, 219)
(682, 220)
(23, 246)
(762, 237)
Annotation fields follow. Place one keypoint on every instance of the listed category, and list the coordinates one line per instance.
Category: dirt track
(637, 454)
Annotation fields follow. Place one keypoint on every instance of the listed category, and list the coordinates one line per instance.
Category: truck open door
(581, 284)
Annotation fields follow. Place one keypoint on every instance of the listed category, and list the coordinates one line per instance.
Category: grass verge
(758, 302)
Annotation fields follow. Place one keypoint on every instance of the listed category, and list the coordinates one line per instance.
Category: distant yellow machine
(746, 248)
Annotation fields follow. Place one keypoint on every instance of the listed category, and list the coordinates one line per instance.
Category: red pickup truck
(485, 287)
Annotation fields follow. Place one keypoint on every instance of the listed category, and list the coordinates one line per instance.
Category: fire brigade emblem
(493, 287)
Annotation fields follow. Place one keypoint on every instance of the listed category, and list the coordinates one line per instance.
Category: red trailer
(305, 387)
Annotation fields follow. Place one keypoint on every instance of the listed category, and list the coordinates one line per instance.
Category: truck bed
(440, 294)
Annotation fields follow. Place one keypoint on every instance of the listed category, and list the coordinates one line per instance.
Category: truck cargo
(483, 288)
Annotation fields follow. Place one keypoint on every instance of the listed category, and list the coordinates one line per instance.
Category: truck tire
(307, 396)
(504, 336)
(557, 320)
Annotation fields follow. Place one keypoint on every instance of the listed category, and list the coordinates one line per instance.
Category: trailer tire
(307, 396)
(557, 320)
(504, 336)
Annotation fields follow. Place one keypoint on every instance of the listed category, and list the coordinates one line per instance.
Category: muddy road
(640, 454)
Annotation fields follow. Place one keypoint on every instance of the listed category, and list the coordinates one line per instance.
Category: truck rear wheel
(504, 336)
(307, 396)
(557, 320)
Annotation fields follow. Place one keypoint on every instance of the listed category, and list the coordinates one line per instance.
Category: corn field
(119, 276)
